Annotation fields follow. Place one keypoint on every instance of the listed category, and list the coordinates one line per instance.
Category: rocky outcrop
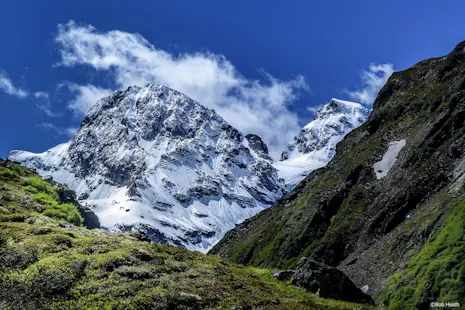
(284, 275)
(327, 282)
(257, 145)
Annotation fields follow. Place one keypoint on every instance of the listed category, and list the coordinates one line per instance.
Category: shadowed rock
(327, 281)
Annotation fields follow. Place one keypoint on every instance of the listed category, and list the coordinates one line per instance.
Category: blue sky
(263, 65)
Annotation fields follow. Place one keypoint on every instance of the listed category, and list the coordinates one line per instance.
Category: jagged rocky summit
(151, 159)
(315, 145)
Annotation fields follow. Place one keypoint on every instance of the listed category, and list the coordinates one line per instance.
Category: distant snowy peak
(152, 159)
(315, 144)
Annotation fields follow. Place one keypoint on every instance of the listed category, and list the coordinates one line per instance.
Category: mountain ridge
(152, 159)
(344, 216)
(315, 144)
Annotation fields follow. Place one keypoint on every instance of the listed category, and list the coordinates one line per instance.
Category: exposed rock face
(344, 215)
(150, 158)
(284, 275)
(327, 281)
(315, 145)
(257, 145)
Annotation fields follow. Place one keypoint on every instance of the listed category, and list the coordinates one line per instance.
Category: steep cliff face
(390, 189)
(152, 159)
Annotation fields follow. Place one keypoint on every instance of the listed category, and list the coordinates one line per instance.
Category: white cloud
(43, 102)
(41, 95)
(373, 80)
(249, 105)
(65, 131)
(85, 96)
(312, 109)
(7, 86)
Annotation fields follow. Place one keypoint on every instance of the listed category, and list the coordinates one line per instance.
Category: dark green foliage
(47, 195)
(41, 186)
(66, 212)
(8, 174)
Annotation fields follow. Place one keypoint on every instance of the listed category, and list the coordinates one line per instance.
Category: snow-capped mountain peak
(315, 144)
(152, 159)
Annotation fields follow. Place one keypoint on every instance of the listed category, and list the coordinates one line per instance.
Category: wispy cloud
(63, 131)
(42, 102)
(249, 105)
(85, 96)
(373, 80)
(6, 85)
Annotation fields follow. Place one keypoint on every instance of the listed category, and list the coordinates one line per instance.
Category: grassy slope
(48, 260)
(436, 272)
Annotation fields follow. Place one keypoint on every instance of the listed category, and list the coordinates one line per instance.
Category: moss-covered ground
(48, 260)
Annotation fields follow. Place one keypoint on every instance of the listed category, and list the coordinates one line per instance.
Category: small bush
(40, 185)
(8, 174)
(31, 189)
(45, 199)
(134, 272)
(67, 212)
(3, 239)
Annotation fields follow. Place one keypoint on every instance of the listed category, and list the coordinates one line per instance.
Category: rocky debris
(66, 194)
(26, 200)
(91, 219)
(284, 275)
(48, 178)
(182, 300)
(83, 196)
(328, 281)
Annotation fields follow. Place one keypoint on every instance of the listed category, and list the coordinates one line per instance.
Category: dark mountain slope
(366, 220)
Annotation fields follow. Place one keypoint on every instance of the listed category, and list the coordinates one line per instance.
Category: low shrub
(67, 212)
(43, 187)
(31, 189)
(8, 174)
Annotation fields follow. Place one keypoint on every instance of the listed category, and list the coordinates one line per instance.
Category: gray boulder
(284, 275)
(327, 281)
